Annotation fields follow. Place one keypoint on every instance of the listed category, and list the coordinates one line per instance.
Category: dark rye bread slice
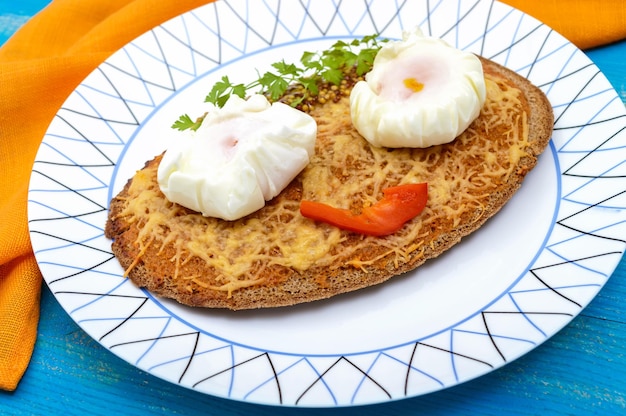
(275, 257)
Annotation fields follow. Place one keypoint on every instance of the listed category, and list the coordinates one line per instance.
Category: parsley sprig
(185, 122)
(315, 68)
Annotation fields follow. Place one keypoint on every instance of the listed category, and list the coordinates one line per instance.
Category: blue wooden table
(581, 370)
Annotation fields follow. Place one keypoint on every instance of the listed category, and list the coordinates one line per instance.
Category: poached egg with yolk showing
(420, 92)
(242, 155)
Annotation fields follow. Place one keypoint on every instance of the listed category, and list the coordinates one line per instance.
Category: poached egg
(242, 155)
(420, 92)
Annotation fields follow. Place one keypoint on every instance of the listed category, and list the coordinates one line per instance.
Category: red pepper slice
(399, 204)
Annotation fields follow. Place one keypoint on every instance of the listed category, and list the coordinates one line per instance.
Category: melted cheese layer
(345, 172)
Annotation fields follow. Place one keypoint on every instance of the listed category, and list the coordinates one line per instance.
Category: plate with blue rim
(491, 299)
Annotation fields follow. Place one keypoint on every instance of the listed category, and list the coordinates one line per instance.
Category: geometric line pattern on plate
(69, 193)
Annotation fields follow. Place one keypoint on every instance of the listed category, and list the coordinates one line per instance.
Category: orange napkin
(52, 53)
(39, 66)
(586, 23)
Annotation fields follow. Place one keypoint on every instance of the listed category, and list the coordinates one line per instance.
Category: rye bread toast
(275, 257)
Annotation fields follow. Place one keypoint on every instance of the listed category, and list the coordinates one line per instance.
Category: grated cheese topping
(345, 172)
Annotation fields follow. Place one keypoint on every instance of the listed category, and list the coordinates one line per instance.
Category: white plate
(494, 297)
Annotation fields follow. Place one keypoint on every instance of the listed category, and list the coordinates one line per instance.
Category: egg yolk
(413, 84)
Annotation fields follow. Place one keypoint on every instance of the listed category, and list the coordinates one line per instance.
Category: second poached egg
(420, 92)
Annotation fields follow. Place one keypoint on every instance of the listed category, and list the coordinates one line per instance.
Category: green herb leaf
(219, 89)
(185, 122)
(239, 90)
(333, 76)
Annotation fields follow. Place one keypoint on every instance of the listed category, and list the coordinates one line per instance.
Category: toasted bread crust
(157, 266)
